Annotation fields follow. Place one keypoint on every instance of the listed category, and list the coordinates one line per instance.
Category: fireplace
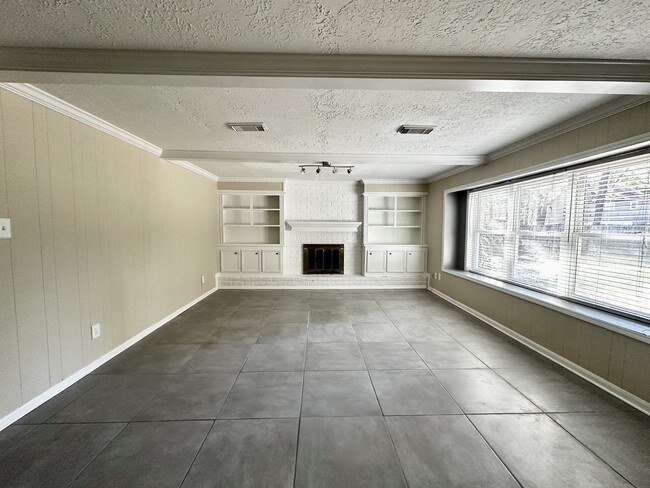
(322, 259)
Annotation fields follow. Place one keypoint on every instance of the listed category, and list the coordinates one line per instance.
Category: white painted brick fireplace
(330, 201)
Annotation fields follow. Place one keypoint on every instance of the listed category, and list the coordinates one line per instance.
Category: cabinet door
(271, 262)
(250, 261)
(395, 261)
(415, 261)
(230, 261)
(375, 262)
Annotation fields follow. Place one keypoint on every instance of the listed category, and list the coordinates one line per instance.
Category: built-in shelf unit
(252, 228)
(395, 229)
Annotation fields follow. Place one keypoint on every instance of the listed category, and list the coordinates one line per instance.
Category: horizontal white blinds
(581, 234)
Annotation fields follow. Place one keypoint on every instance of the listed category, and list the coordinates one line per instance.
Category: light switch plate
(5, 229)
(95, 331)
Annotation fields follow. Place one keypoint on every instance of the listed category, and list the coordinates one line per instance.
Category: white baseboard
(70, 380)
(601, 383)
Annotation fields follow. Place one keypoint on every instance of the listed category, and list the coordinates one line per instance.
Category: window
(581, 234)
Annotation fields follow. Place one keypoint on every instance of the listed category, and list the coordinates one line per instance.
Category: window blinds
(581, 234)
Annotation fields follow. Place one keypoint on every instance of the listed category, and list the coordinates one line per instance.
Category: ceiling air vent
(248, 127)
(416, 129)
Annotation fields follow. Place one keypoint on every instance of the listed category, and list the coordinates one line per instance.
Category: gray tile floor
(339, 388)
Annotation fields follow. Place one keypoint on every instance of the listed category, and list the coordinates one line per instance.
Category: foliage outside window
(581, 234)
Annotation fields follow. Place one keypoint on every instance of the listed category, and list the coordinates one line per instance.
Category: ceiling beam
(234, 69)
(336, 158)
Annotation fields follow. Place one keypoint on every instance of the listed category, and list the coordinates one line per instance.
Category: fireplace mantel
(323, 225)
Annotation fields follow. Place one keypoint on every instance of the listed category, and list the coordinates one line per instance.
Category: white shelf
(251, 218)
(392, 219)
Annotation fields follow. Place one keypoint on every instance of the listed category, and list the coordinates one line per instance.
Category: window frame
(568, 238)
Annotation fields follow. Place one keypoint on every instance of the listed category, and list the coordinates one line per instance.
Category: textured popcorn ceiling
(536, 28)
(317, 121)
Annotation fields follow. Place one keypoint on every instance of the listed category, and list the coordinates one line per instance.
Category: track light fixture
(324, 164)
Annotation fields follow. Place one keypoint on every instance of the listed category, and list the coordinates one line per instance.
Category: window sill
(615, 323)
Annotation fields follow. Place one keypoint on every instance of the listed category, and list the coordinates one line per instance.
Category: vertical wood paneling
(22, 203)
(9, 357)
(47, 243)
(113, 237)
(65, 241)
(139, 283)
(102, 217)
(102, 232)
(80, 235)
(91, 192)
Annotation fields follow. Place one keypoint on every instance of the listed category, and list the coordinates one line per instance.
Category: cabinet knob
(277, 253)
(370, 253)
(235, 254)
(390, 253)
(409, 254)
(255, 254)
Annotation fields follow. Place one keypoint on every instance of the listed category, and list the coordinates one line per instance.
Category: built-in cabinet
(252, 231)
(395, 232)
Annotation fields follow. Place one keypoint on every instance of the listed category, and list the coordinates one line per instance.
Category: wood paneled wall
(621, 360)
(102, 232)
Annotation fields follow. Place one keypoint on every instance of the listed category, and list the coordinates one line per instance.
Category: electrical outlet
(5, 229)
(439, 276)
(95, 331)
(203, 280)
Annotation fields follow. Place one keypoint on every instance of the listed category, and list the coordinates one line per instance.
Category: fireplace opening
(322, 258)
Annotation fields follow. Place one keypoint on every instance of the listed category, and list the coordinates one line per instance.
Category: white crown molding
(248, 179)
(603, 111)
(194, 168)
(336, 158)
(43, 98)
(405, 181)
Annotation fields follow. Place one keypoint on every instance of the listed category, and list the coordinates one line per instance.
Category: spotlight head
(334, 170)
(317, 170)
(302, 170)
(349, 170)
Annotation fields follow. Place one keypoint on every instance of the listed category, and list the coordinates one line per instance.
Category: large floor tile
(423, 332)
(483, 391)
(284, 317)
(10, 435)
(332, 356)
(247, 454)
(621, 439)
(552, 391)
(244, 334)
(411, 393)
(264, 395)
(329, 316)
(218, 358)
(446, 355)
(276, 357)
(377, 333)
(471, 330)
(283, 334)
(113, 399)
(60, 401)
(189, 397)
(504, 354)
(148, 454)
(338, 394)
(446, 451)
(54, 455)
(390, 355)
(541, 454)
(331, 333)
(346, 451)
(151, 359)
(185, 333)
